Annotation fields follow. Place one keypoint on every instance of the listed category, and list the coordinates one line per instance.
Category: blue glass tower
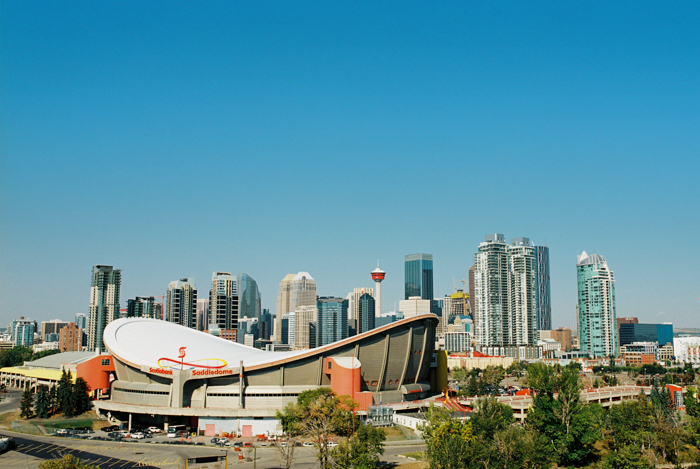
(332, 320)
(365, 321)
(248, 297)
(596, 306)
(419, 276)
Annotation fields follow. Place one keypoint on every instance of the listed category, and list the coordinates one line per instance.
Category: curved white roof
(585, 259)
(156, 343)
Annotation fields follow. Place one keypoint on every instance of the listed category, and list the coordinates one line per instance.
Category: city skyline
(550, 121)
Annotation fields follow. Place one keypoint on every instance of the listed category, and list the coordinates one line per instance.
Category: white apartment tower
(181, 302)
(223, 301)
(104, 303)
(505, 292)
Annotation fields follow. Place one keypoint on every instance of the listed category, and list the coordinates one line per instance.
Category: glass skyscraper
(597, 322)
(332, 320)
(248, 297)
(104, 303)
(365, 320)
(544, 306)
(419, 276)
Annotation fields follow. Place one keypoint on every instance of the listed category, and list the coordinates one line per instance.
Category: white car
(332, 444)
(138, 436)
(154, 430)
(306, 443)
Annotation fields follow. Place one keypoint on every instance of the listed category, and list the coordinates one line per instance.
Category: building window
(105, 362)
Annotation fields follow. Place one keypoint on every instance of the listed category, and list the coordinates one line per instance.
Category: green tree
(627, 457)
(81, 397)
(25, 405)
(64, 394)
(571, 427)
(53, 400)
(489, 417)
(473, 388)
(319, 415)
(447, 440)
(362, 451)
(42, 405)
(66, 462)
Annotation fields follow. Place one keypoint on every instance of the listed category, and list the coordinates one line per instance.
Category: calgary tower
(378, 275)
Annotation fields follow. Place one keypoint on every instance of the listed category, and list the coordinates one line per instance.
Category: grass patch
(7, 418)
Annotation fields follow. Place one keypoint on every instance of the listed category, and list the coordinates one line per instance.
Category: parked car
(307, 443)
(138, 436)
(247, 444)
(111, 428)
(154, 430)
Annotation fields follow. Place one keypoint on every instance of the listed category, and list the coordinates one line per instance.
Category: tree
(571, 427)
(26, 403)
(42, 405)
(447, 440)
(66, 462)
(64, 394)
(489, 417)
(473, 388)
(53, 400)
(285, 452)
(320, 415)
(627, 457)
(81, 396)
(362, 451)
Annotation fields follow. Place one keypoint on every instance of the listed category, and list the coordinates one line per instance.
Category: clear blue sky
(171, 139)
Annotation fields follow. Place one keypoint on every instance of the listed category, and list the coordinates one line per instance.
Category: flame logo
(182, 352)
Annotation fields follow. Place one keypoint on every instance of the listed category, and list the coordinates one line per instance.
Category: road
(32, 450)
(10, 401)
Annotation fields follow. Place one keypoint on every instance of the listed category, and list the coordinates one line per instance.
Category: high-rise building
(223, 301)
(22, 331)
(414, 306)
(141, 307)
(304, 324)
(81, 321)
(544, 305)
(283, 298)
(295, 290)
(353, 303)
(419, 276)
(505, 292)
(291, 328)
(265, 324)
(105, 286)
(365, 318)
(53, 326)
(635, 332)
(181, 302)
(248, 297)
(70, 339)
(596, 306)
(202, 314)
(332, 320)
(471, 291)
(247, 326)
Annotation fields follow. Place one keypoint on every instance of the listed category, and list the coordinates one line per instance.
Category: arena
(168, 374)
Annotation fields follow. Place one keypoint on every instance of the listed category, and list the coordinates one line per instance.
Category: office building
(223, 301)
(387, 318)
(291, 328)
(353, 302)
(596, 306)
(265, 324)
(687, 349)
(414, 306)
(544, 305)
(81, 321)
(105, 286)
(332, 320)
(418, 278)
(294, 291)
(181, 302)
(305, 327)
(22, 331)
(635, 332)
(365, 318)
(471, 291)
(505, 292)
(70, 339)
(561, 335)
(202, 314)
(248, 297)
(284, 330)
(53, 326)
(142, 307)
(247, 327)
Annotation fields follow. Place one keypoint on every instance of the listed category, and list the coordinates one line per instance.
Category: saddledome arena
(170, 374)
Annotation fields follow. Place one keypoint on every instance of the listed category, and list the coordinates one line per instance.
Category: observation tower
(378, 275)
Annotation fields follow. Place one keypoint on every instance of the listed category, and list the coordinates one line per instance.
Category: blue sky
(172, 139)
